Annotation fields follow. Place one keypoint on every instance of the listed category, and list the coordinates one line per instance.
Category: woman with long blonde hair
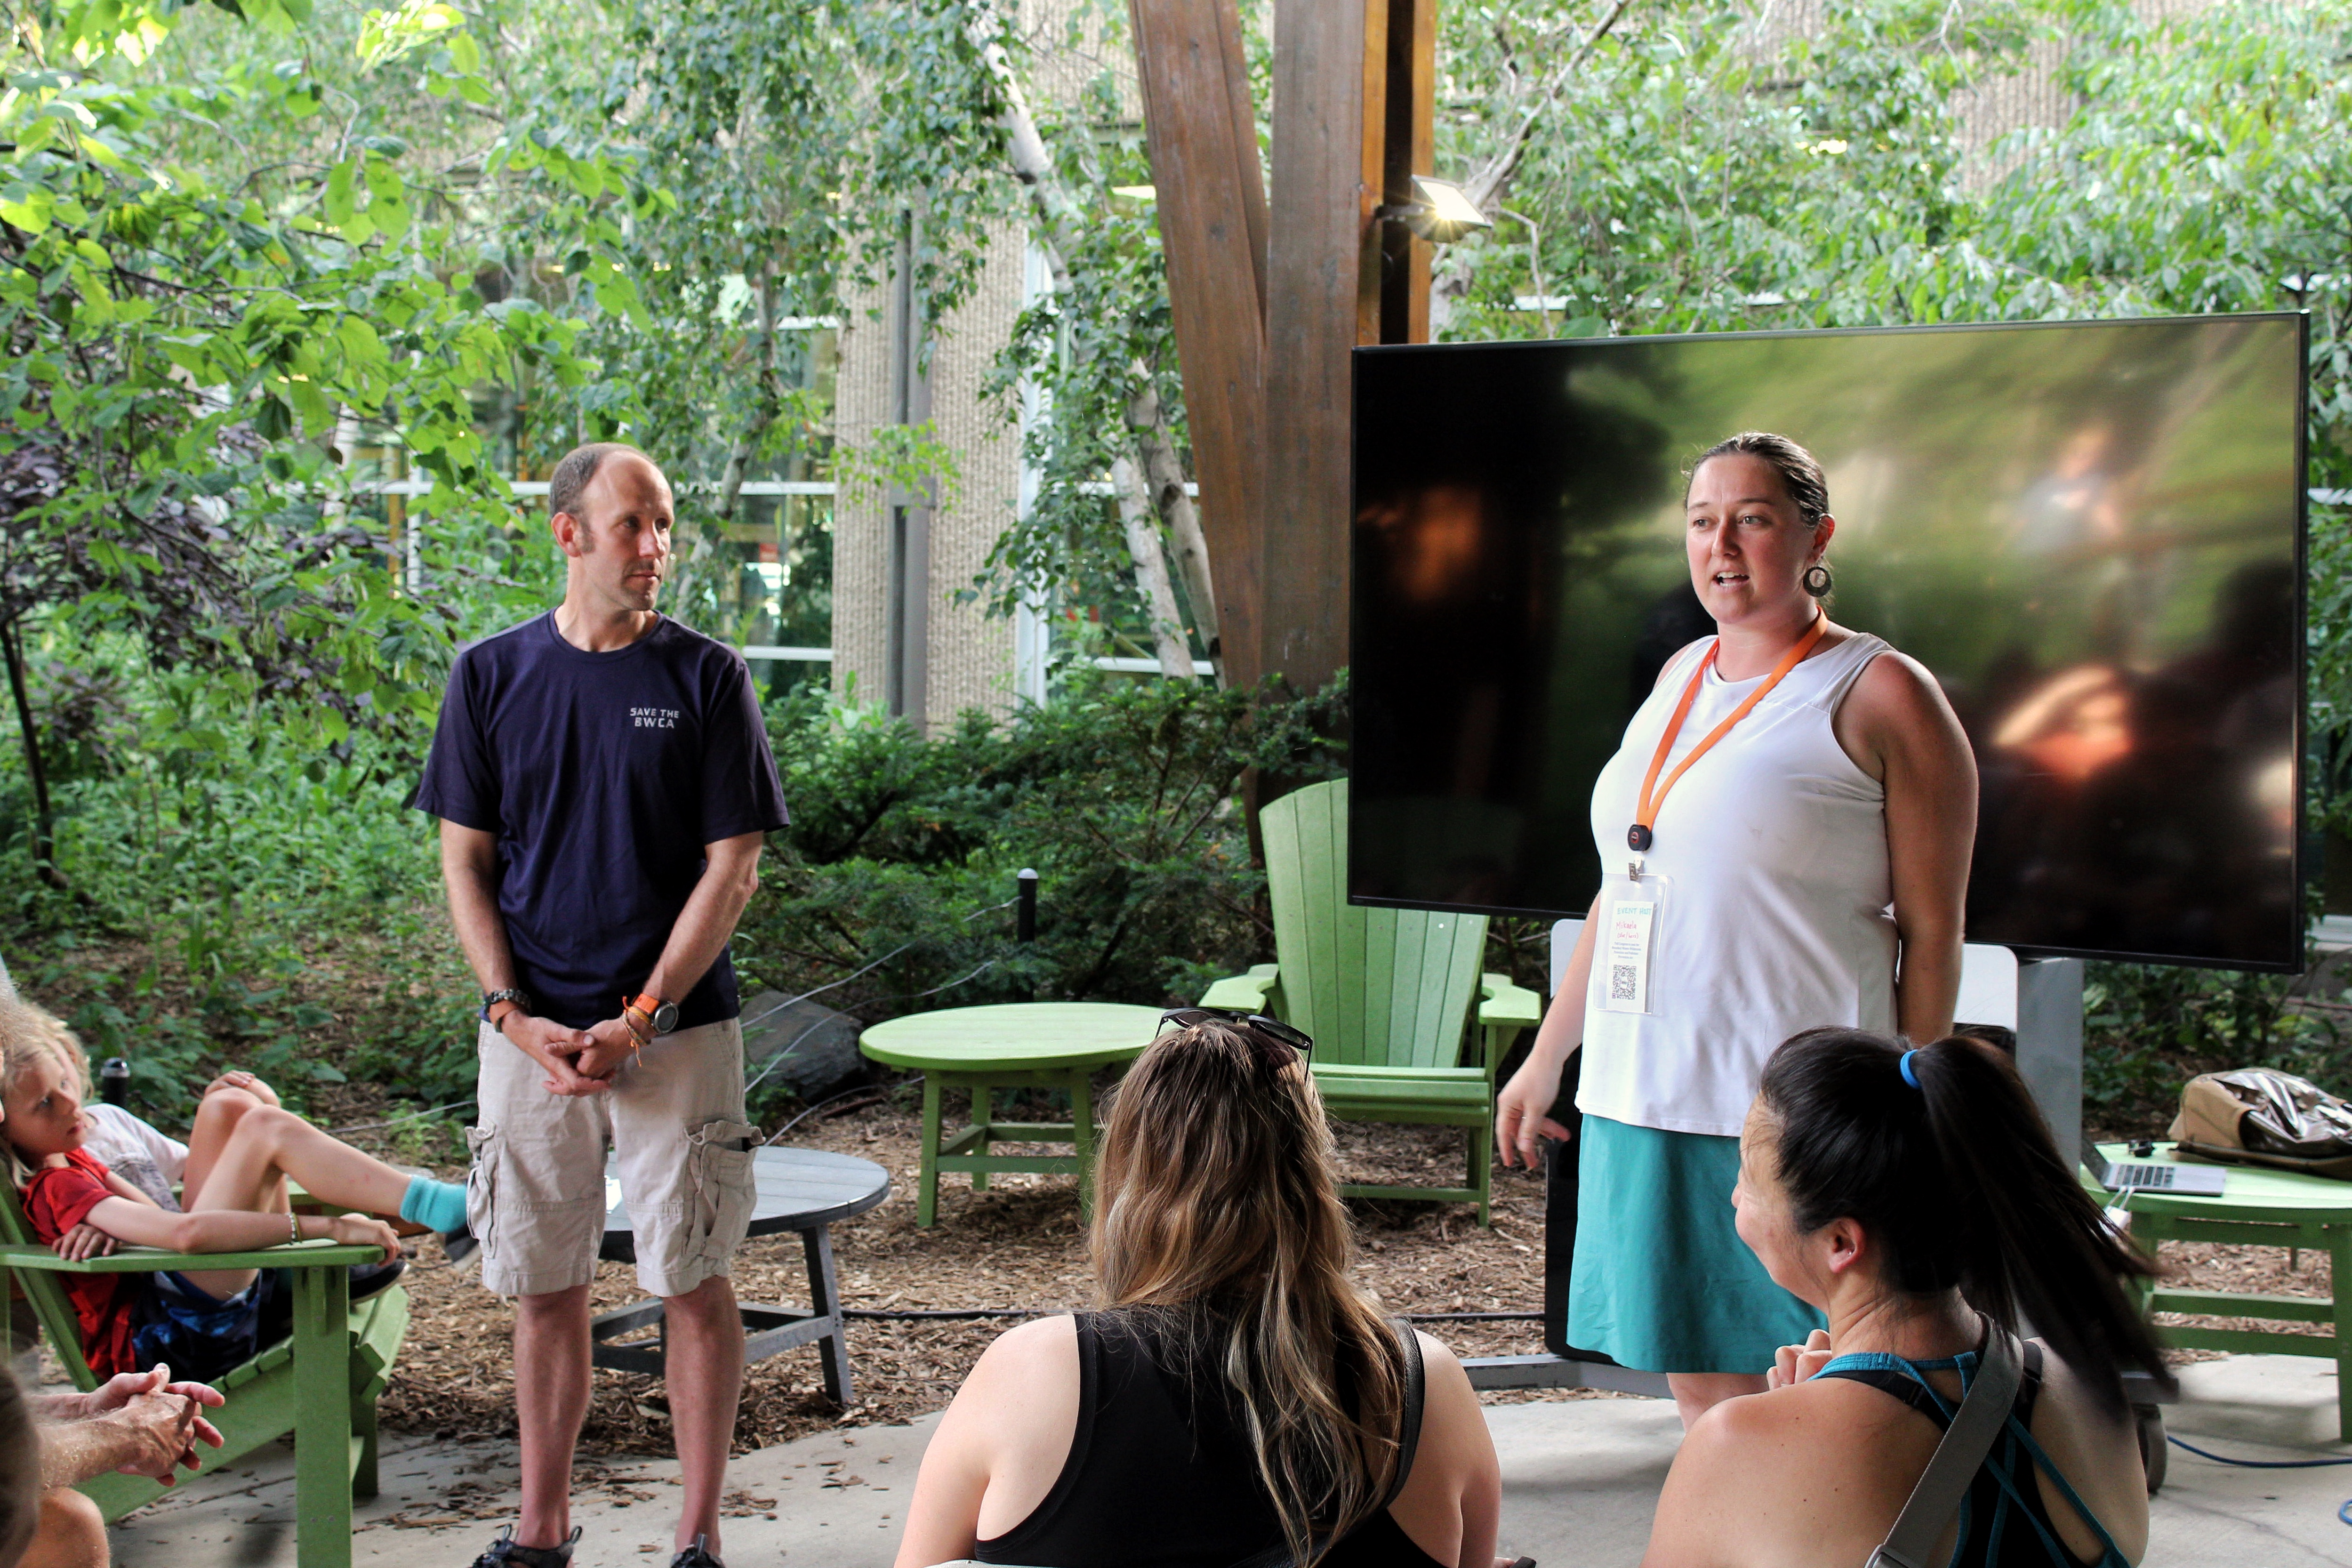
(1236, 1399)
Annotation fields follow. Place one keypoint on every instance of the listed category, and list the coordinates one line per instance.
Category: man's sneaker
(505, 1553)
(697, 1556)
(458, 1244)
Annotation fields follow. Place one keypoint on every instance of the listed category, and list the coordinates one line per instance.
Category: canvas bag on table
(2260, 1116)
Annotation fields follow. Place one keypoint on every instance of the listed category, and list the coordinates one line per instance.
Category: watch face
(665, 1017)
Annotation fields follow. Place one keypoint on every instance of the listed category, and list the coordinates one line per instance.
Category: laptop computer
(2117, 1176)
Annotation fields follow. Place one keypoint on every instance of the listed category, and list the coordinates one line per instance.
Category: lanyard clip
(1633, 868)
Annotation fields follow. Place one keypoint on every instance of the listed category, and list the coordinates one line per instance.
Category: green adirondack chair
(1389, 995)
(319, 1385)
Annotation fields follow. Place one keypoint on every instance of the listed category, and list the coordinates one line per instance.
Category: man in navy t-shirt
(603, 783)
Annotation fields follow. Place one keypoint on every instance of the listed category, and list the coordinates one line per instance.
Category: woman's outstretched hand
(1523, 1112)
(1791, 1365)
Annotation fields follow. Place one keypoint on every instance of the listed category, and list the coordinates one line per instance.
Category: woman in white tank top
(1806, 867)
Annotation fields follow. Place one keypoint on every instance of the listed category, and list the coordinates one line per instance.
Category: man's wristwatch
(520, 998)
(660, 1017)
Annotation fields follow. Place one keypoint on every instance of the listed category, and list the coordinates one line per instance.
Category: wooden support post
(1322, 295)
(1212, 228)
(1268, 313)
(1409, 148)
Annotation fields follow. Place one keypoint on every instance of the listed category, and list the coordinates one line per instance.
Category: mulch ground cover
(1020, 1245)
(1017, 1246)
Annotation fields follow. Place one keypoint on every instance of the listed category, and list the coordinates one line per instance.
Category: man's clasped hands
(578, 1061)
(147, 1424)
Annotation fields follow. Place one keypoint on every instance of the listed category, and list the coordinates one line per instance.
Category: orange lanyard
(1645, 812)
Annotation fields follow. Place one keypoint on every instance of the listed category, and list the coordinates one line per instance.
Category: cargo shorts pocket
(488, 1148)
(719, 1159)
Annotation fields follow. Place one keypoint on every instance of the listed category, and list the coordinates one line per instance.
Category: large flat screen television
(2091, 533)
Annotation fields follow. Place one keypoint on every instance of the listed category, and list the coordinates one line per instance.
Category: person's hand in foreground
(238, 1078)
(1792, 1365)
(83, 1241)
(364, 1230)
(163, 1419)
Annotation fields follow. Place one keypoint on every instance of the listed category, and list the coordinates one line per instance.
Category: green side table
(2258, 1207)
(1017, 1044)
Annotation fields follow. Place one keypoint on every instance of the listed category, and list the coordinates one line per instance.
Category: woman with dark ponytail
(1911, 1195)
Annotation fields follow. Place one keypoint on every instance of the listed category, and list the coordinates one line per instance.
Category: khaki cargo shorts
(535, 1197)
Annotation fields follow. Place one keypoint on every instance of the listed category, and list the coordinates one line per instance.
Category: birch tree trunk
(1165, 474)
(1154, 472)
(1141, 520)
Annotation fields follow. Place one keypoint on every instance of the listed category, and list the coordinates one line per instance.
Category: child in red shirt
(56, 1199)
(240, 1153)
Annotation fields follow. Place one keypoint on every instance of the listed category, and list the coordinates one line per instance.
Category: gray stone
(817, 1046)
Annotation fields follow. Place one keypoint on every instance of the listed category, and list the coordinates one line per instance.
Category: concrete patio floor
(1579, 1476)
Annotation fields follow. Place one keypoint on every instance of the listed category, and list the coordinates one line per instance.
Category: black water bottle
(114, 1081)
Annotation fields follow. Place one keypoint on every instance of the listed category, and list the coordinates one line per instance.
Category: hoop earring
(1817, 580)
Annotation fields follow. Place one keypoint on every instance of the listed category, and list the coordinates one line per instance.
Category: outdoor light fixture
(1441, 213)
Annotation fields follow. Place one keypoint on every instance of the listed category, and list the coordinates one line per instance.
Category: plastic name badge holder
(1633, 909)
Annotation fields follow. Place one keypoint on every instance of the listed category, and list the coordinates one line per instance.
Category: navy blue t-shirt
(603, 774)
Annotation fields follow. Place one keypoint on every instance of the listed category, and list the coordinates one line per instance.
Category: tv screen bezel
(2298, 869)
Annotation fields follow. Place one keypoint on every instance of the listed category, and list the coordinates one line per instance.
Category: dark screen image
(2089, 534)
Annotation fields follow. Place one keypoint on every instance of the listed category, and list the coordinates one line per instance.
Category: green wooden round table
(1014, 1044)
(2256, 1207)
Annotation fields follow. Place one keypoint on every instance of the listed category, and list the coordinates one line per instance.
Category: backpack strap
(1983, 1414)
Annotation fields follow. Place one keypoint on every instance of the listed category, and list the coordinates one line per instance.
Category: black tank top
(1161, 1475)
(1991, 1533)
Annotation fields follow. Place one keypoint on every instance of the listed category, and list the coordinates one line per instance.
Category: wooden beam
(1322, 299)
(1411, 148)
(1202, 136)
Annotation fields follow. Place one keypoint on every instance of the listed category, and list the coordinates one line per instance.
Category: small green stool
(1016, 1044)
(2259, 1207)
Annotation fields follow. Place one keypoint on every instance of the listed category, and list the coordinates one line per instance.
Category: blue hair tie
(1908, 1076)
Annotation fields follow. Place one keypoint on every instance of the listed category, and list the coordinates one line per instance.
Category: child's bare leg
(217, 1120)
(270, 1144)
(250, 1164)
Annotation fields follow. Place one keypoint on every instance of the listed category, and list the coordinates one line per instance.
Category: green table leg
(1082, 1128)
(2339, 1253)
(927, 1187)
(322, 1417)
(980, 1103)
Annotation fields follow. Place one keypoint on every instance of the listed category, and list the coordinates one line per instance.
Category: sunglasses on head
(1273, 1029)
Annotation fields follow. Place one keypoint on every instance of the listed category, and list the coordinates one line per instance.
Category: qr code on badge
(1620, 983)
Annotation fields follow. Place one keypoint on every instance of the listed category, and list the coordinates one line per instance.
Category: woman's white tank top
(1775, 913)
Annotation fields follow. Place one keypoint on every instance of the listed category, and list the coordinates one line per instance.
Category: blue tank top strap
(2002, 1466)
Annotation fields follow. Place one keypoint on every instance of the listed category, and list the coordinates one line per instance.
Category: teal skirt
(1661, 1279)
